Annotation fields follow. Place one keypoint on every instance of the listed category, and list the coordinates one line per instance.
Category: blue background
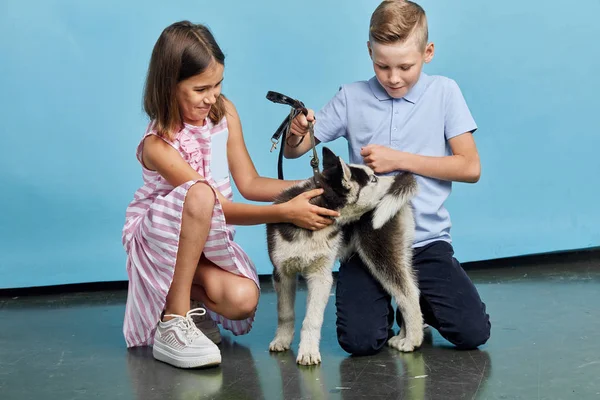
(71, 77)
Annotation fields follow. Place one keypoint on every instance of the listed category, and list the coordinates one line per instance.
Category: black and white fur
(376, 221)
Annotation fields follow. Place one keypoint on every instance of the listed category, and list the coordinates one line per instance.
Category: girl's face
(198, 93)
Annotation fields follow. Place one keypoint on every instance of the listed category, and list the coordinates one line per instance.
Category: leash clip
(274, 145)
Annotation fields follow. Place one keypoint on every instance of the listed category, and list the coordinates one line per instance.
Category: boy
(405, 120)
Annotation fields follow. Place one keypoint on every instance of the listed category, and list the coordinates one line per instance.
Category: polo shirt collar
(378, 90)
(413, 96)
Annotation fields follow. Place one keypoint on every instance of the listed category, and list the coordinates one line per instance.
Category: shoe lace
(187, 322)
(203, 320)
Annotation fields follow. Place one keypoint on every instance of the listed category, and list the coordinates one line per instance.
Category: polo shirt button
(394, 128)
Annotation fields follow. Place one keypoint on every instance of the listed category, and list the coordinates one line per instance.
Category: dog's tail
(400, 192)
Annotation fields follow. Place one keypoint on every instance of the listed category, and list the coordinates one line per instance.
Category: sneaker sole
(185, 362)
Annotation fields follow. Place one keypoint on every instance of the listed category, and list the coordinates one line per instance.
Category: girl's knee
(243, 299)
(199, 202)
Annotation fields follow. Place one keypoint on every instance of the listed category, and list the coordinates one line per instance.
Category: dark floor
(545, 344)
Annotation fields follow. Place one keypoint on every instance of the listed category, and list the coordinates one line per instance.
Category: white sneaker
(206, 324)
(180, 343)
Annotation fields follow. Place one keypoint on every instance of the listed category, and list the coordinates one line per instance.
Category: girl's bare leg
(234, 297)
(197, 213)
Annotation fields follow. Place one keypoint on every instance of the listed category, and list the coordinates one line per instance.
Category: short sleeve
(331, 120)
(458, 118)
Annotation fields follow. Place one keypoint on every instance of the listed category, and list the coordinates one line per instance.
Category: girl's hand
(300, 212)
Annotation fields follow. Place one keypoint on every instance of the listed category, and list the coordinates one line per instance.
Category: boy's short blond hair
(396, 21)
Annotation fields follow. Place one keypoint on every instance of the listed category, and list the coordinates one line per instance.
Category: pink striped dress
(152, 226)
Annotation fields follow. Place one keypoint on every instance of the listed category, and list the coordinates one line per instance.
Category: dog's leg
(402, 333)
(398, 280)
(319, 288)
(285, 287)
(411, 331)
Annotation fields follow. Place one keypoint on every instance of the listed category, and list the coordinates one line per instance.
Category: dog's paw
(402, 344)
(308, 353)
(279, 345)
(309, 358)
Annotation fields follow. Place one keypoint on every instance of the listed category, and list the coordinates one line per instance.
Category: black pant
(449, 303)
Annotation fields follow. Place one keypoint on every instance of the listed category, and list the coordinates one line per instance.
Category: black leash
(297, 107)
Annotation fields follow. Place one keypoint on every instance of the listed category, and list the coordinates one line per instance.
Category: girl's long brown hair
(183, 50)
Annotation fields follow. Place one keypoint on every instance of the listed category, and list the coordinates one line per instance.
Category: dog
(376, 222)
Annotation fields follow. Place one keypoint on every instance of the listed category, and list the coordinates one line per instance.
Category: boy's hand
(381, 159)
(299, 125)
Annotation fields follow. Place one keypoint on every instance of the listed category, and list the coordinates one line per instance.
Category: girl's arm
(249, 183)
(462, 166)
(159, 156)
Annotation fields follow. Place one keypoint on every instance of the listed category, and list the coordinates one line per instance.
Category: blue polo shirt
(421, 122)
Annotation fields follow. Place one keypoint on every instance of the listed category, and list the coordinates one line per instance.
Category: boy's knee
(471, 337)
(199, 202)
(473, 340)
(361, 342)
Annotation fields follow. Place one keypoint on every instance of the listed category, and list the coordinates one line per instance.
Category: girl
(178, 234)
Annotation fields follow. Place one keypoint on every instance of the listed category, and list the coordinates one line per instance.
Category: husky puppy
(376, 221)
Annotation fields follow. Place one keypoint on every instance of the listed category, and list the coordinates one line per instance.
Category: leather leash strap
(284, 130)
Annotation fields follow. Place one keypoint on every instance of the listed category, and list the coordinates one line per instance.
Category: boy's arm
(329, 124)
(462, 166)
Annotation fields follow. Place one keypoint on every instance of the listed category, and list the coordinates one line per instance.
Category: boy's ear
(369, 48)
(330, 160)
(429, 52)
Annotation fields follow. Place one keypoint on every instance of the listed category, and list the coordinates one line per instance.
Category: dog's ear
(330, 160)
(345, 170)
(334, 165)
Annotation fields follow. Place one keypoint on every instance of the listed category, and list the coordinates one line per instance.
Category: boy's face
(398, 65)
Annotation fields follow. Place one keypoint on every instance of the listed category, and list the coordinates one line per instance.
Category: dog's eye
(374, 179)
